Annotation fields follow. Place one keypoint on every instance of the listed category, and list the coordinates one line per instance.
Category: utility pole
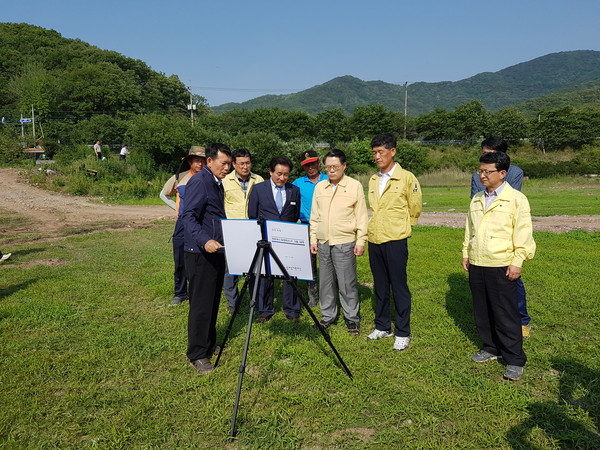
(33, 121)
(191, 106)
(405, 106)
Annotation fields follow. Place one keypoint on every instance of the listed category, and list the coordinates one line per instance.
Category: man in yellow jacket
(237, 186)
(396, 200)
(338, 231)
(498, 239)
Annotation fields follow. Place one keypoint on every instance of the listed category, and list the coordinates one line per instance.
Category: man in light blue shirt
(310, 164)
(514, 177)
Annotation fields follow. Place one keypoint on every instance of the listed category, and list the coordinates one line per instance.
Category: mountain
(554, 73)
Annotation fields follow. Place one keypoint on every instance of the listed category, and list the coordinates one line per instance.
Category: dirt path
(50, 214)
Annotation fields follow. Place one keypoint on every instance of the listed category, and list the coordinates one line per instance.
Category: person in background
(237, 185)
(276, 199)
(124, 152)
(175, 186)
(204, 257)
(338, 232)
(396, 200)
(498, 239)
(98, 149)
(309, 161)
(514, 177)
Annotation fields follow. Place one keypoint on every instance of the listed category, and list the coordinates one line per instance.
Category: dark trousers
(266, 295)
(522, 297)
(179, 279)
(496, 313)
(388, 266)
(205, 274)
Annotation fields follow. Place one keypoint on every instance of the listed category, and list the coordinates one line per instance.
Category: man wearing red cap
(309, 160)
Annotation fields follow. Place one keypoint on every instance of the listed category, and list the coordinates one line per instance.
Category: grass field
(92, 356)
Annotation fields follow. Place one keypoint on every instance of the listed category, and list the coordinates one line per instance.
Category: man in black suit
(276, 199)
(203, 257)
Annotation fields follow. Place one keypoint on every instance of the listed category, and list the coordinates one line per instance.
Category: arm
(465, 246)
(476, 185)
(315, 218)
(167, 191)
(523, 243)
(253, 203)
(169, 202)
(415, 199)
(362, 222)
(194, 210)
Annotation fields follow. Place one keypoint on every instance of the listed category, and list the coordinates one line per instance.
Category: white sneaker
(5, 256)
(401, 343)
(378, 334)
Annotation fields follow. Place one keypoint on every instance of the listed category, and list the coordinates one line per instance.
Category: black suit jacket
(262, 204)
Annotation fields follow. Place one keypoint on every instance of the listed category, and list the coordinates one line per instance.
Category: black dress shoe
(202, 366)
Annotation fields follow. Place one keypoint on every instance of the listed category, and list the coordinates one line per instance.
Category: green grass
(91, 355)
(547, 197)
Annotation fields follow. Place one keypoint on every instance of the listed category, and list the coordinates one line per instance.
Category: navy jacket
(204, 208)
(262, 203)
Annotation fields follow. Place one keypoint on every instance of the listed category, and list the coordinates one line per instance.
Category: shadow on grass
(579, 394)
(460, 306)
(14, 288)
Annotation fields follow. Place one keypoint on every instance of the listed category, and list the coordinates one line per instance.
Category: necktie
(279, 199)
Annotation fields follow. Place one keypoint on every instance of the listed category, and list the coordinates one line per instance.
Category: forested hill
(74, 80)
(554, 73)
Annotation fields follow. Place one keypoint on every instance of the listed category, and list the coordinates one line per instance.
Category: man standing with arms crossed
(237, 185)
(204, 257)
(514, 177)
(396, 200)
(306, 184)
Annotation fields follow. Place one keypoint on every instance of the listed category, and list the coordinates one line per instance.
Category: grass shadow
(14, 288)
(579, 394)
(460, 306)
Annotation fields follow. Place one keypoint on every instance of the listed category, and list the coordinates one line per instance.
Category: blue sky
(232, 50)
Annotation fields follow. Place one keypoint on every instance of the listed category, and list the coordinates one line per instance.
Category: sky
(235, 50)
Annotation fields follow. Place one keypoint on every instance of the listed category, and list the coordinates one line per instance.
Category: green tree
(471, 120)
(332, 126)
(436, 125)
(371, 120)
(511, 124)
(33, 86)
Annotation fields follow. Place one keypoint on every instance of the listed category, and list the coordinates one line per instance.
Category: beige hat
(196, 150)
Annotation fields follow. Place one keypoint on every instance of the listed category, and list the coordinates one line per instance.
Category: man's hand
(513, 273)
(314, 249)
(465, 264)
(359, 250)
(212, 246)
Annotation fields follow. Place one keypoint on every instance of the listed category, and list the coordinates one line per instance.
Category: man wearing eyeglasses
(514, 177)
(498, 239)
(237, 185)
(338, 232)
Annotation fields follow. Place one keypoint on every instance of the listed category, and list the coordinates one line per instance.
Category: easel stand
(263, 250)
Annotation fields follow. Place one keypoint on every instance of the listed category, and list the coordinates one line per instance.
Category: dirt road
(50, 214)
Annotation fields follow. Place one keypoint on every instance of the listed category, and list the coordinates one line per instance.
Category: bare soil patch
(50, 214)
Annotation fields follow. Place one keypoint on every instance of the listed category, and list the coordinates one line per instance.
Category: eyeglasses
(333, 168)
(243, 164)
(486, 172)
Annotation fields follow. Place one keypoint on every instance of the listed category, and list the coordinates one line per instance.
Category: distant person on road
(238, 186)
(338, 232)
(396, 200)
(98, 149)
(309, 161)
(514, 177)
(176, 186)
(124, 152)
(498, 239)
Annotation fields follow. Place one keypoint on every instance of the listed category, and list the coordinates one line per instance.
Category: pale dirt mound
(50, 214)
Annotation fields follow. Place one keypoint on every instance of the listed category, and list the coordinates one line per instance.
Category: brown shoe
(263, 319)
(293, 319)
(202, 366)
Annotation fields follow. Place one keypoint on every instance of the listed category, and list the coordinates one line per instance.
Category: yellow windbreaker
(502, 235)
(397, 209)
(236, 202)
(339, 217)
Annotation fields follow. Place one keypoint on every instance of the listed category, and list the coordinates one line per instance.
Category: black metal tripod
(263, 250)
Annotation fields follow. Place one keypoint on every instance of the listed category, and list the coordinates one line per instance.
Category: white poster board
(289, 241)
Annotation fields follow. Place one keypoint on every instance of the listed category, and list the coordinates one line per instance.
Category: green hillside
(556, 72)
(70, 79)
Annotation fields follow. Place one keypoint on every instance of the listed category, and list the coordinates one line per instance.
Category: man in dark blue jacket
(204, 258)
(276, 199)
